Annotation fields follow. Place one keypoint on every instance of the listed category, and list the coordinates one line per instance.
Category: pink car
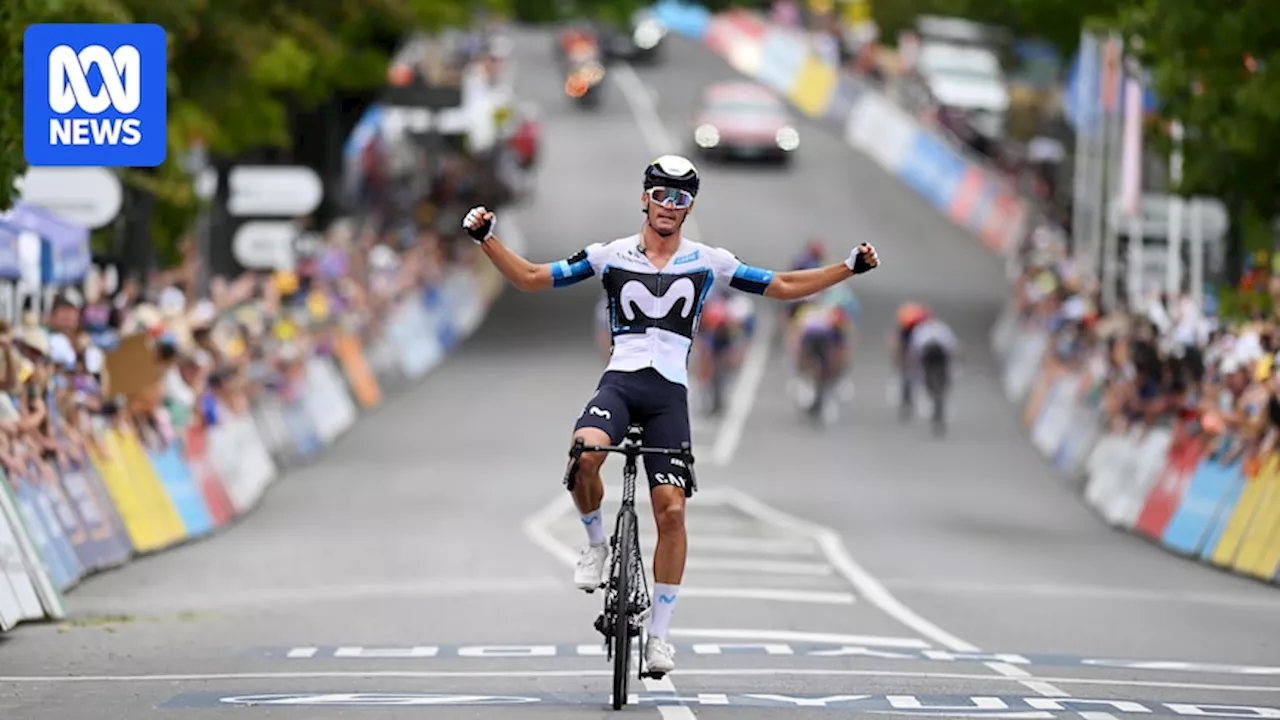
(744, 120)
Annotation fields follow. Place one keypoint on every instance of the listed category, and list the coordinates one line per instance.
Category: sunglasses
(670, 197)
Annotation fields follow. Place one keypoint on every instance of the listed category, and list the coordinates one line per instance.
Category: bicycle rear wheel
(626, 540)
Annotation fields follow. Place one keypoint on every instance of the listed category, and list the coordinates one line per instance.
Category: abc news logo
(121, 90)
(95, 95)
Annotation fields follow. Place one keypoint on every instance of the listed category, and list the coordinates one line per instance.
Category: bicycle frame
(637, 602)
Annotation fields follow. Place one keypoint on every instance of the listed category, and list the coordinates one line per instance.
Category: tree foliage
(1215, 68)
(236, 67)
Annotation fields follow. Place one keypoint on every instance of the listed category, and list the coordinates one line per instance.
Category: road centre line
(743, 397)
(535, 674)
(875, 592)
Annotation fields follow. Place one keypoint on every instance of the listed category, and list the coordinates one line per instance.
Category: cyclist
(718, 345)
(821, 340)
(655, 281)
(604, 338)
(813, 255)
(925, 350)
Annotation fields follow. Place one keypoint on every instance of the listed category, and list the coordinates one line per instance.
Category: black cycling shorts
(656, 404)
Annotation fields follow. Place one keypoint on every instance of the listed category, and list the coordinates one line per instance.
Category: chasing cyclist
(723, 329)
(820, 341)
(924, 351)
(656, 281)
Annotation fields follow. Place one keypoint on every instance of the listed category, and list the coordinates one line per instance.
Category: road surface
(862, 568)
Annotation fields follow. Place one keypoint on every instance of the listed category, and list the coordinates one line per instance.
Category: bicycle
(627, 588)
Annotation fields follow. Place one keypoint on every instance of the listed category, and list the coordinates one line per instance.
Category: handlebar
(632, 451)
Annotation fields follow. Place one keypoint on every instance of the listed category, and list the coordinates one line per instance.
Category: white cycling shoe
(659, 657)
(589, 572)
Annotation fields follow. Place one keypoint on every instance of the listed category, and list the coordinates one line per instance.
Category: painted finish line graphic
(817, 651)
(1002, 706)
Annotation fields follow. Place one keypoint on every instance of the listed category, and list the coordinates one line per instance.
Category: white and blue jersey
(653, 314)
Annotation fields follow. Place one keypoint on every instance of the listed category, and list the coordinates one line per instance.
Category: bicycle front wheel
(622, 608)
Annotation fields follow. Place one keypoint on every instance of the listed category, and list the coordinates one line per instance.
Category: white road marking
(800, 637)
(745, 390)
(1084, 592)
(865, 584)
(645, 111)
(796, 596)
(534, 674)
(670, 712)
(535, 526)
(436, 588)
(876, 593)
(763, 567)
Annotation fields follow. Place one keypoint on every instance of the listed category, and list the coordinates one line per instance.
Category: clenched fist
(479, 223)
(862, 259)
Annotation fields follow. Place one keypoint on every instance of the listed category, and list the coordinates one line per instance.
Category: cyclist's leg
(603, 422)
(666, 424)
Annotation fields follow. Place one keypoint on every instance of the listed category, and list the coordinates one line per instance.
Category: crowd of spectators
(1162, 364)
(155, 358)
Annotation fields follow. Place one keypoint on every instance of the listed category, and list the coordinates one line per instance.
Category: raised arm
(796, 284)
(524, 275)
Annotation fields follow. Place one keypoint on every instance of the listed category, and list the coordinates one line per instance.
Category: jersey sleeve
(578, 267)
(739, 275)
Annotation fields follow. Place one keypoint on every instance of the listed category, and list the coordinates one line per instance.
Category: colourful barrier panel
(60, 513)
(1225, 508)
(688, 20)
(47, 534)
(48, 601)
(1260, 551)
(168, 523)
(326, 400)
(20, 600)
(241, 459)
(180, 485)
(1212, 487)
(1170, 485)
(814, 87)
(142, 531)
(105, 544)
(196, 449)
(782, 55)
(1237, 525)
(364, 385)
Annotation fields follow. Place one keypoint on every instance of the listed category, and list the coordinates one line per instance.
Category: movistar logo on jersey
(635, 296)
(648, 300)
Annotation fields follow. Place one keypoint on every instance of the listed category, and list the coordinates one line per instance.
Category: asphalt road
(424, 561)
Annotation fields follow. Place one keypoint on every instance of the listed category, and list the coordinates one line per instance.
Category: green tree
(1215, 68)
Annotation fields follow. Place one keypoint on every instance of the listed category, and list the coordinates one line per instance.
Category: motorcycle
(583, 83)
